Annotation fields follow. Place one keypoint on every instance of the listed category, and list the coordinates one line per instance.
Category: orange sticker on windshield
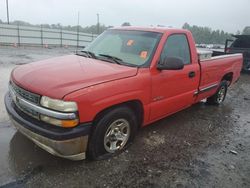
(144, 54)
(130, 42)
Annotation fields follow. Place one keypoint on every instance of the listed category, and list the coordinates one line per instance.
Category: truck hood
(60, 76)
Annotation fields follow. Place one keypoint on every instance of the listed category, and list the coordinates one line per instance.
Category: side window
(177, 46)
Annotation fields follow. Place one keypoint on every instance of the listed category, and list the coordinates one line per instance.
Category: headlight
(59, 105)
(62, 106)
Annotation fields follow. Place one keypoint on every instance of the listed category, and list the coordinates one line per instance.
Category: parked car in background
(201, 45)
(218, 46)
(209, 46)
(241, 44)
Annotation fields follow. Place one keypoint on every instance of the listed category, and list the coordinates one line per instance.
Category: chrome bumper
(73, 149)
(68, 143)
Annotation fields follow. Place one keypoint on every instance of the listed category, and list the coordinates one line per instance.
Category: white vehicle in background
(210, 46)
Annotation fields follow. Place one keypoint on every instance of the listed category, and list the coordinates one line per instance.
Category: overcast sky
(229, 15)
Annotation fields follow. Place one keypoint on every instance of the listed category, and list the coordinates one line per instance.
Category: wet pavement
(202, 146)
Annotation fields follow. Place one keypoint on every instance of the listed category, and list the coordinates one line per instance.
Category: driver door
(173, 90)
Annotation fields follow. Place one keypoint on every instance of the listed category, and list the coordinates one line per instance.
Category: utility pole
(78, 27)
(7, 6)
(98, 24)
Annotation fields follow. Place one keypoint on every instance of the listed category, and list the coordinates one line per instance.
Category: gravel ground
(202, 146)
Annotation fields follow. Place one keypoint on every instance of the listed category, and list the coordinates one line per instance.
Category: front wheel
(220, 95)
(112, 133)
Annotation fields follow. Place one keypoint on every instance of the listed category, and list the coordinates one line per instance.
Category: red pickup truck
(93, 102)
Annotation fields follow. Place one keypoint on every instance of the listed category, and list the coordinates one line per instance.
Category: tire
(246, 67)
(220, 95)
(113, 131)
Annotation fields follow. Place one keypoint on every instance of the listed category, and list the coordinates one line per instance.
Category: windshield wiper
(113, 58)
(109, 58)
(117, 60)
(87, 54)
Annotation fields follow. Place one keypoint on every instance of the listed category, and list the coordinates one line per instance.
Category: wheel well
(228, 77)
(134, 105)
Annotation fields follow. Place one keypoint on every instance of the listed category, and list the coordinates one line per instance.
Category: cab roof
(150, 29)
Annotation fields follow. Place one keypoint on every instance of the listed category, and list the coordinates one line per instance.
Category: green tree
(126, 24)
(246, 30)
(238, 32)
(206, 35)
(186, 26)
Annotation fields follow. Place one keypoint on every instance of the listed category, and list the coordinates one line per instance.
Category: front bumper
(70, 143)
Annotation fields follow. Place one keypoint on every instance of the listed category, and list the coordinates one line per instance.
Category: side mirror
(170, 63)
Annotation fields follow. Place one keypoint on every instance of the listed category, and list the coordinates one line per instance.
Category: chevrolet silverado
(92, 103)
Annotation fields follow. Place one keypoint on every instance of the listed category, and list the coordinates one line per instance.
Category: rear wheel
(220, 95)
(246, 67)
(113, 131)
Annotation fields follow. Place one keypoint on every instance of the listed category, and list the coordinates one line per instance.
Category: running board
(205, 89)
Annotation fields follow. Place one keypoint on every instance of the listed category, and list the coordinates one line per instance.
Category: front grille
(28, 111)
(31, 97)
(28, 96)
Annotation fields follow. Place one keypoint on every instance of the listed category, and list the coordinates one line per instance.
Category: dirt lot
(203, 146)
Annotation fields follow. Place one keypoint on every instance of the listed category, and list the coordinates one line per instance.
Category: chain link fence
(40, 36)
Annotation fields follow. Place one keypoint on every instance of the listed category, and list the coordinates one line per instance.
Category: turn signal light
(59, 122)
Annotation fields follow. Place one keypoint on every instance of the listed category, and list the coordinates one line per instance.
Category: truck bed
(214, 68)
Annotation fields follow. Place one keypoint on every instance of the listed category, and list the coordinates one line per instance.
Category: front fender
(95, 99)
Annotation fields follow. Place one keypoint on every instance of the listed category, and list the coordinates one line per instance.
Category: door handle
(191, 74)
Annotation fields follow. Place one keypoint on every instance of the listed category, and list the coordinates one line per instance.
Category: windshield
(132, 47)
